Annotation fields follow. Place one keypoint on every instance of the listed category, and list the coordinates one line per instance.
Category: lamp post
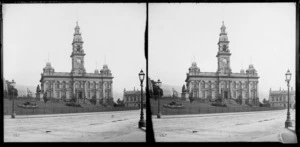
(288, 122)
(158, 83)
(142, 122)
(13, 84)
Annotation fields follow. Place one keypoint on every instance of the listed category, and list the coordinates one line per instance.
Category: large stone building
(133, 98)
(223, 83)
(279, 98)
(77, 83)
(5, 85)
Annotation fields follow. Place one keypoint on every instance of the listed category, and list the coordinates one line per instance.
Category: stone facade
(279, 98)
(224, 83)
(133, 98)
(5, 85)
(77, 83)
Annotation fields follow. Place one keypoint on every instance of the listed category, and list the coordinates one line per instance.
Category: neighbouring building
(279, 98)
(77, 83)
(5, 86)
(133, 98)
(223, 83)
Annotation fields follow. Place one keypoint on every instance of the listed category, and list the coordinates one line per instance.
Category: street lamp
(142, 122)
(13, 84)
(158, 83)
(288, 122)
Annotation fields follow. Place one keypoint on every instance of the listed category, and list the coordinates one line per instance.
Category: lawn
(197, 107)
(55, 108)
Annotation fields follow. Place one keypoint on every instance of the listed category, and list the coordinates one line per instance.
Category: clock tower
(77, 52)
(223, 52)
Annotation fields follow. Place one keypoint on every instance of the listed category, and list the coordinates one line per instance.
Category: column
(230, 90)
(220, 87)
(45, 85)
(103, 90)
(74, 88)
(54, 93)
(199, 89)
(257, 89)
(84, 86)
(111, 87)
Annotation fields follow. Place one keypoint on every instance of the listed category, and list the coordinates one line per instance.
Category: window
(57, 85)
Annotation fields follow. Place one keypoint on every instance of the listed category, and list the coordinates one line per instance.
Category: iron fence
(62, 110)
(205, 110)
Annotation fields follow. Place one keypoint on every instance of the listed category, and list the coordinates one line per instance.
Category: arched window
(64, 84)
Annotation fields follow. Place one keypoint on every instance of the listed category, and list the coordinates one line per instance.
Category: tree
(73, 99)
(239, 99)
(156, 90)
(11, 91)
(120, 103)
(93, 100)
(265, 103)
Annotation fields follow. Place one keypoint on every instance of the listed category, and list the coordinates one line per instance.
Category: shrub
(73, 104)
(93, 100)
(219, 104)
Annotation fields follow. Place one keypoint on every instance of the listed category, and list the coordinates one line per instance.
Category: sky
(262, 34)
(112, 33)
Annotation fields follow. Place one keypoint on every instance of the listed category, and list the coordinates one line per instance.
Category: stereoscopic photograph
(222, 72)
(149, 72)
(74, 72)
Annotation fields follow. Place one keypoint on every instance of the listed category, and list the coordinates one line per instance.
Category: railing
(205, 110)
(61, 110)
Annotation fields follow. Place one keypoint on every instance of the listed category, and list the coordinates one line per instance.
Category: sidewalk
(290, 136)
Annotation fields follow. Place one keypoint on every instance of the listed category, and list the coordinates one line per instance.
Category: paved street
(118, 126)
(261, 126)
